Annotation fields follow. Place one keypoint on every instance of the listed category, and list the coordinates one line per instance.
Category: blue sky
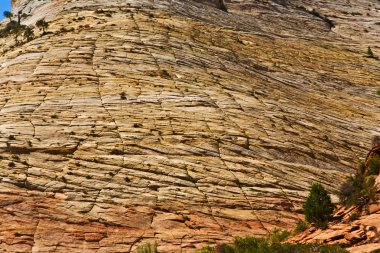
(5, 5)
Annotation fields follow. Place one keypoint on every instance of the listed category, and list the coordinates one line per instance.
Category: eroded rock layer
(175, 122)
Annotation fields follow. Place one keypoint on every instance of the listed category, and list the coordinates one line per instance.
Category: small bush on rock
(8, 14)
(301, 226)
(370, 53)
(42, 25)
(318, 207)
(264, 245)
(279, 235)
(360, 189)
(373, 166)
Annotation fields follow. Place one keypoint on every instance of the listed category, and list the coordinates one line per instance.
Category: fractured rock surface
(175, 122)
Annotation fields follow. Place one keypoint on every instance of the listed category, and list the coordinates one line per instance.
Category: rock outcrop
(175, 122)
(356, 227)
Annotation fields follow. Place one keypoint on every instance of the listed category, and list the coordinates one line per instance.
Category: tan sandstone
(172, 121)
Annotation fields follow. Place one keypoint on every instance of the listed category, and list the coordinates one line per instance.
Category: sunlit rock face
(175, 122)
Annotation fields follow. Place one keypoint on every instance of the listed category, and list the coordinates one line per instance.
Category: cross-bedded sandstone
(175, 122)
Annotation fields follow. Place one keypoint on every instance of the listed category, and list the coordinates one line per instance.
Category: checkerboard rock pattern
(173, 121)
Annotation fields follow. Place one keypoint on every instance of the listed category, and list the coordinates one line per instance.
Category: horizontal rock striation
(175, 122)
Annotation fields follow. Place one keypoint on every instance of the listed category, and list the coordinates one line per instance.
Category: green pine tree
(9, 15)
(42, 25)
(318, 207)
(29, 33)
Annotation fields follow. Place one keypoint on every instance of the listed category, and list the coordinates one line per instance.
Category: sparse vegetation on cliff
(373, 167)
(9, 15)
(178, 122)
(266, 245)
(42, 25)
(370, 53)
(29, 33)
(16, 29)
(301, 226)
(360, 189)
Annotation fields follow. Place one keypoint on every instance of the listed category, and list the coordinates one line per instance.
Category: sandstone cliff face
(175, 122)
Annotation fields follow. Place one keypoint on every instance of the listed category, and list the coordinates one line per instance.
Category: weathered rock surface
(175, 122)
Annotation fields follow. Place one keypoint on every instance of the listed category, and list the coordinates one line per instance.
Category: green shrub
(224, 248)
(360, 190)
(369, 189)
(301, 226)
(147, 248)
(42, 25)
(207, 249)
(123, 95)
(318, 207)
(370, 53)
(264, 245)
(279, 235)
(378, 92)
(350, 191)
(9, 28)
(8, 14)
(309, 248)
(28, 33)
(251, 244)
(373, 166)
